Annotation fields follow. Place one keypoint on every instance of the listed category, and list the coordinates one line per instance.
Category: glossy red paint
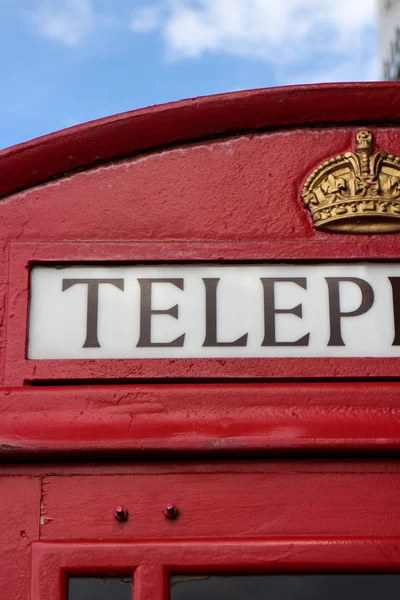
(187, 419)
(151, 564)
(231, 198)
(267, 502)
(19, 527)
(193, 120)
(240, 516)
(211, 179)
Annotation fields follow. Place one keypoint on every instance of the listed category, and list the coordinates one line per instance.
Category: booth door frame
(152, 564)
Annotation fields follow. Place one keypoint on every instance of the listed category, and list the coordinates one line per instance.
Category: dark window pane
(287, 587)
(99, 588)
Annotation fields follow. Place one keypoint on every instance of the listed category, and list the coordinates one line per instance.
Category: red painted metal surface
(151, 564)
(213, 504)
(196, 119)
(226, 199)
(232, 198)
(212, 179)
(199, 419)
(19, 527)
(235, 516)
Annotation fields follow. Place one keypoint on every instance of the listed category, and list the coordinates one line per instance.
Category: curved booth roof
(194, 120)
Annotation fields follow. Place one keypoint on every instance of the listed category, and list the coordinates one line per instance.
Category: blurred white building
(389, 38)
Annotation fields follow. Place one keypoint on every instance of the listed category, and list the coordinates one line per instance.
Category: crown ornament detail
(357, 192)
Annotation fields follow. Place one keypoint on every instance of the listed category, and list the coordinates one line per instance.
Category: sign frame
(21, 371)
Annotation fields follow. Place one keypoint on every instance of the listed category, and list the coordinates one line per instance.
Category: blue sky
(65, 62)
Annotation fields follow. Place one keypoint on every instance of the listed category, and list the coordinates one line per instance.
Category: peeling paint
(9, 447)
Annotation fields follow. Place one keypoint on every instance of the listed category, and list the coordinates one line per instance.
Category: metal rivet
(171, 511)
(121, 514)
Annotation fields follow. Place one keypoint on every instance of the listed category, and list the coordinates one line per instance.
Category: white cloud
(299, 40)
(65, 21)
(284, 33)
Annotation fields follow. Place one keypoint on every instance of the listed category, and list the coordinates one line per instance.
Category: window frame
(152, 564)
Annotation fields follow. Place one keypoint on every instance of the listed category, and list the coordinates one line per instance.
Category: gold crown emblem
(358, 192)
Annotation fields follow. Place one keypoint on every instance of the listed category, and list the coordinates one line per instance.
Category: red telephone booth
(200, 351)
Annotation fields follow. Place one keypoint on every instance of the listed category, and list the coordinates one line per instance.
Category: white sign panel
(202, 311)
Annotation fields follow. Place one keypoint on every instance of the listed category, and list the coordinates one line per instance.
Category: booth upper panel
(227, 167)
(194, 120)
(266, 176)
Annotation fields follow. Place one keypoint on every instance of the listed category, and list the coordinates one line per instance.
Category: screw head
(121, 514)
(171, 511)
